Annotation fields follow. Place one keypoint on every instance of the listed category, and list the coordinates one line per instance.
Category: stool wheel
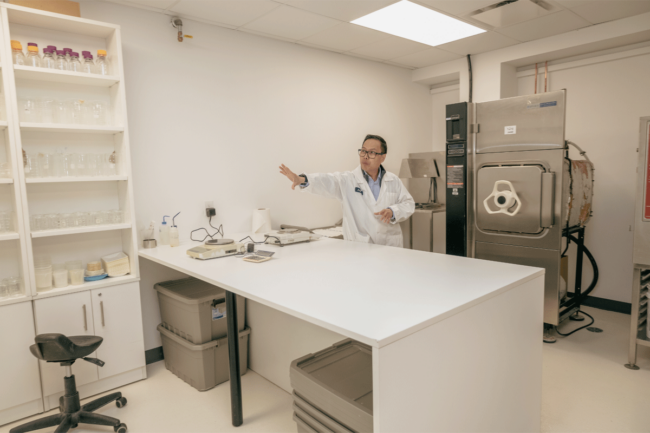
(120, 402)
(120, 428)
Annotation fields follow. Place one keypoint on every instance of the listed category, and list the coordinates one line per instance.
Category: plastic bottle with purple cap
(88, 64)
(49, 59)
(60, 63)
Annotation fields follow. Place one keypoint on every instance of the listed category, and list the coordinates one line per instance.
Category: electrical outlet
(209, 209)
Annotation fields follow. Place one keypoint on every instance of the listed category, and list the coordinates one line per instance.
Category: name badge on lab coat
(357, 189)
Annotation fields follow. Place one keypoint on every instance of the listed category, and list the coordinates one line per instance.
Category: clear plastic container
(76, 108)
(88, 63)
(102, 66)
(76, 276)
(13, 287)
(42, 262)
(47, 110)
(74, 64)
(43, 279)
(17, 53)
(61, 62)
(116, 264)
(60, 277)
(97, 113)
(33, 57)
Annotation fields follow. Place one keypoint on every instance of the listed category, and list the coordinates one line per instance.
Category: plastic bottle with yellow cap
(33, 57)
(17, 53)
(101, 64)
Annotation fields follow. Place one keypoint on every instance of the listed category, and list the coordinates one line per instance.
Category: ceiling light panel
(417, 23)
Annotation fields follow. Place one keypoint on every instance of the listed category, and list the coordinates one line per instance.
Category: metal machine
(640, 325)
(512, 192)
(424, 177)
(215, 248)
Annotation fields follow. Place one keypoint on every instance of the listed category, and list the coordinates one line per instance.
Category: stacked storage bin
(332, 389)
(194, 331)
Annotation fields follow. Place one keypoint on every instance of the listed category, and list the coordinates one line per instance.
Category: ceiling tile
(424, 58)
(573, 3)
(390, 48)
(602, 11)
(482, 43)
(344, 10)
(231, 12)
(548, 25)
(457, 7)
(345, 37)
(291, 23)
(156, 4)
(388, 62)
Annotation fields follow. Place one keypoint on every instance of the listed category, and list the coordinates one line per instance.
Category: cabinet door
(68, 315)
(19, 378)
(118, 319)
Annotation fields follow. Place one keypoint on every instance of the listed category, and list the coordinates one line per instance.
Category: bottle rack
(27, 196)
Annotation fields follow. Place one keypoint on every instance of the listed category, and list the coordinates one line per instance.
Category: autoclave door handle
(548, 200)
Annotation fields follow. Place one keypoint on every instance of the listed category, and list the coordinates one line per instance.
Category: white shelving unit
(26, 196)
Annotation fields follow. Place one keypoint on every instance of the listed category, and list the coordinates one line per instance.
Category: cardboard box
(65, 7)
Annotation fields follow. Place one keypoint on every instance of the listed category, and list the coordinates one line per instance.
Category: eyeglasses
(371, 154)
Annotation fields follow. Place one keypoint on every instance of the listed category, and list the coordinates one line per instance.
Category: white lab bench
(457, 342)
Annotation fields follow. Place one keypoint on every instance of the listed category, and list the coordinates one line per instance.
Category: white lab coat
(360, 223)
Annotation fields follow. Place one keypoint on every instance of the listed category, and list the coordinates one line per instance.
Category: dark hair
(384, 146)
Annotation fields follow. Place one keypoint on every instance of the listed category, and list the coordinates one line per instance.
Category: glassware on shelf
(4, 289)
(44, 165)
(47, 110)
(76, 108)
(5, 169)
(97, 112)
(66, 53)
(101, 65)
(60, 112)
(49, 58)
(13, 287)
(88, 64)
(65, 221)
(33, 57)
(117, 216)
(92, 164)
(79, 219)
(61, 63)
(52, 221)
(57, 168)
(29, 110)
(6, 222)
(75, 65)
(17, 53)
(31, 165)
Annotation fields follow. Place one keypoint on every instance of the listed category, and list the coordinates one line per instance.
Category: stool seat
(60, 348)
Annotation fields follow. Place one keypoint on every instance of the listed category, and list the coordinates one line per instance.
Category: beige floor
(586, 389)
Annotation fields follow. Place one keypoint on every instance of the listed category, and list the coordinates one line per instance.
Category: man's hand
(293, 177)
(385, 215)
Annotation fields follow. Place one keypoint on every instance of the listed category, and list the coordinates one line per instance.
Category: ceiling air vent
(511, 12)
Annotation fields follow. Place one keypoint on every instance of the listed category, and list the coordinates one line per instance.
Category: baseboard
(608, 305)
(154, 355)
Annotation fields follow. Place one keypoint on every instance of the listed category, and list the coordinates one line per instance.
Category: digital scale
(289, 236)
(215, 248)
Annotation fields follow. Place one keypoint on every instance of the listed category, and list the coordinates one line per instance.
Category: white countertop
(371, 293)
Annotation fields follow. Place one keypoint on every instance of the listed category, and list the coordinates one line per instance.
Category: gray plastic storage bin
(314, 417)
(303, 427)
(338, 382)
(203, 366)
(196, 310)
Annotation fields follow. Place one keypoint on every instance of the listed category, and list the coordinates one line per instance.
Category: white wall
(213, 117)
(605, 100)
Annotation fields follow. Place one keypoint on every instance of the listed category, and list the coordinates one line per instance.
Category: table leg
(233, 358)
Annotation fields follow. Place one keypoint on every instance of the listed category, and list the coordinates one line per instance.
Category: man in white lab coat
(374, 200)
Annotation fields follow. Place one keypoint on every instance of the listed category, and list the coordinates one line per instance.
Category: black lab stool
(66, 350)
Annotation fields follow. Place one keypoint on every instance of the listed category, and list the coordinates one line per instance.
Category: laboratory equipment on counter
(215, 248)
(424, 177)
(17, 53)
(164, 232)
(173, 233)
(289, 236)
(640, 326)
(513, 193)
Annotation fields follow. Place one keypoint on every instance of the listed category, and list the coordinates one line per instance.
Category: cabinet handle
(85, 321)
(101, 307)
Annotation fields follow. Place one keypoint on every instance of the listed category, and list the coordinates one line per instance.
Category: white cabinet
(118, 319)
(20, 385)
(68, 315)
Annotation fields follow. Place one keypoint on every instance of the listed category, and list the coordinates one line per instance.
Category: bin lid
(190, 290)
(345, 368)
